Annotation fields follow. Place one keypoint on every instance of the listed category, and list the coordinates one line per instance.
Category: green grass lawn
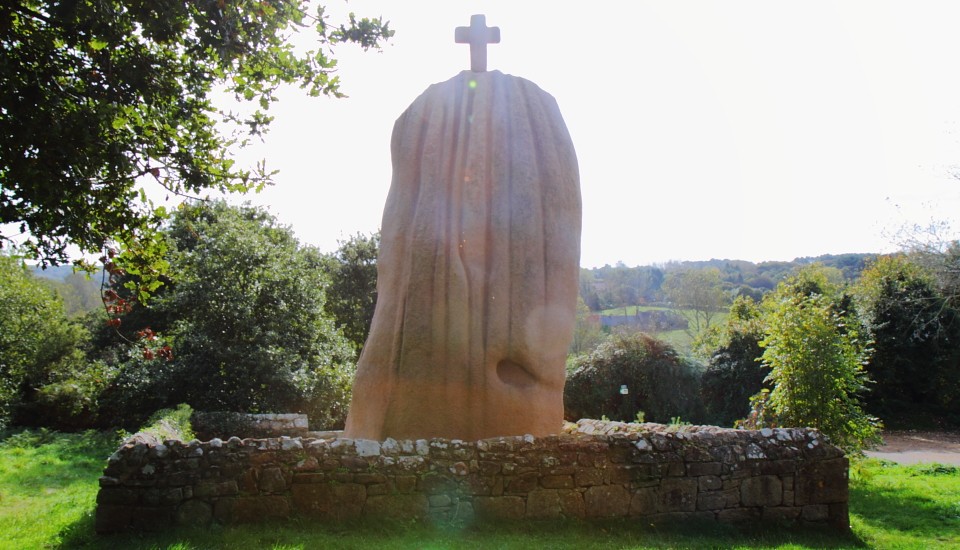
(679, 339)
(48, 485)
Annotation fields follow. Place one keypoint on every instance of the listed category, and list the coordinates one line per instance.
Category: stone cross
(478, 35)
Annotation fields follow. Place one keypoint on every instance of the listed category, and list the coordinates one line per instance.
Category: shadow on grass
(301, 533)
(907, 511)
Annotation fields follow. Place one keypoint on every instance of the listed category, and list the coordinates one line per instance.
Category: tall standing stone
(478, 267)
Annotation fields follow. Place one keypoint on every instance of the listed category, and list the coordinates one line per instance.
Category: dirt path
(912, 447)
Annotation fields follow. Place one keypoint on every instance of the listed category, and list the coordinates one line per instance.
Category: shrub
(659, 382)
(242, 328)
(733, 372)
(816, 352)
(915, 364)
(44, 379)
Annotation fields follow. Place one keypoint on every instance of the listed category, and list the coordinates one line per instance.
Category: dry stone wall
(593, 469)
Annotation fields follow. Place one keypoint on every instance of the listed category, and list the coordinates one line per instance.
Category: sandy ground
(912, 447)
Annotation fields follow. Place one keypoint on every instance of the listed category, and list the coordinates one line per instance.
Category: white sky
(754, 130)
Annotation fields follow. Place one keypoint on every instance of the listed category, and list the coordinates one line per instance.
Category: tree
(244, 329)
(915, 364)
(97, 96)
(41, 352)
(586, 333)
(815, 352)
(734, 373)
(700, 292)
(352, 292)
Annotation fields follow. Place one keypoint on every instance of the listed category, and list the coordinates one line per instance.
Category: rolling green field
(48, 485)
(679, 339)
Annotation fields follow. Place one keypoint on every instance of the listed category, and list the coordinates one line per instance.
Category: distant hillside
(80, 293)
(56, 273)
(620, 285)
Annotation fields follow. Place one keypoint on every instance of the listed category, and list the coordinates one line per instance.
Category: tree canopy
(352, 292)
(99, 96)
(241, 328)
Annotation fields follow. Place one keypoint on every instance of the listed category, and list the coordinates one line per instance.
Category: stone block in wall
(252, 509)
(643, 502)
(378, 489)
(488, 467)
(405, 484)
(194, 513)
(715, 500)
(117, 495)
(571, 503)
(739, 515)
(436, 501)
(543, 504)
(436, 484)
(111, 518)
(606, 501)
(272, 480)
(677, 495)
(816, 512)
(587, 477)
(704, 469)
(499, 508)
(777, 467)
(401, 507)
(207, 489)
(761, 491)
(484, 486)
(781, 513)
(839, 516)
(639, 474)
(522, 483)
(337, 501)
(557, 482)
(822, 482)
(709, 483)
(695, 453)
(354, 464)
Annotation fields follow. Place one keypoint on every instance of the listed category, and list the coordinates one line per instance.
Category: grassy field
(679, 339)
(48, 485)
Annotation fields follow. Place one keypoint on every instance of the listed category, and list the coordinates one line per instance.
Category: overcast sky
(754, 130)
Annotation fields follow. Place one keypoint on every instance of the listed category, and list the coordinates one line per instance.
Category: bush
(44, 379)
(915, 364)
(734, 373)
(242, 328)
(815, 351)
(660, 384)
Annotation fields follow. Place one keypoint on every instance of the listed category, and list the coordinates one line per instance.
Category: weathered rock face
(478, 266)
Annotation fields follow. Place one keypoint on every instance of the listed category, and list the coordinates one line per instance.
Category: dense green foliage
(241, 329)
(352, 291)
(733, 372)
(101, 97)
(915, 365)
(660, 383)
(44, 376)
(815, 352)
